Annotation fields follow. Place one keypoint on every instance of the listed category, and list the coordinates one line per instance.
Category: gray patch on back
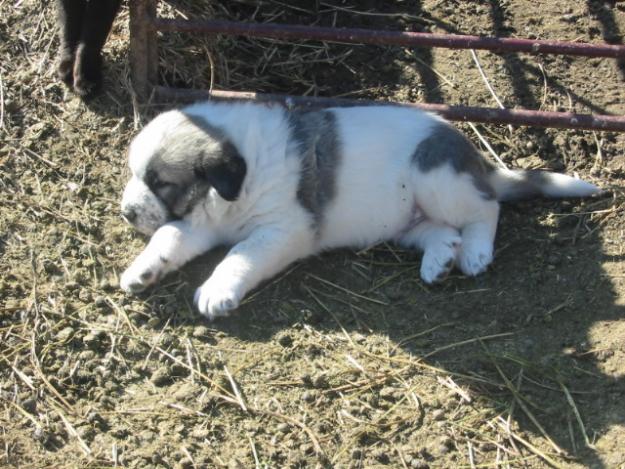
(446, 145)
(315, 137)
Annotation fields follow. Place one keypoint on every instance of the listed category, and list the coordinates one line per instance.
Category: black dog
(84, 26)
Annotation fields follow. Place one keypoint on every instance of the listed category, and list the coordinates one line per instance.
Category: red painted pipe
(398, 38)
(563, 120)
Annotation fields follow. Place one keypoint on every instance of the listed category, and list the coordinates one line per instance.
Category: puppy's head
(176, 160)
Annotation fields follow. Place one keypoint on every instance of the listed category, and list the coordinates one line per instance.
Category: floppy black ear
(223, 169)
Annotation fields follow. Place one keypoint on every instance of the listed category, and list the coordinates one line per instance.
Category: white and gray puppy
(280, 185)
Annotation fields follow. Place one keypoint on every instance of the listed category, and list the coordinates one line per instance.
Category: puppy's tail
(521, 184)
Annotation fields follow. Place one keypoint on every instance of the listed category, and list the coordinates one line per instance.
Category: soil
(347, 359)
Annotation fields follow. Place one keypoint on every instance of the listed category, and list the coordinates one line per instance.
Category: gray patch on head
(182, 145)
(315, 137)
(189, 151)
(446, 145)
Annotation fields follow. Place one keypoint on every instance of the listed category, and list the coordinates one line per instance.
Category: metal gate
(144, 24)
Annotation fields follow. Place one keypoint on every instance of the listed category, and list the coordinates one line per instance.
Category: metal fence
(144, 24)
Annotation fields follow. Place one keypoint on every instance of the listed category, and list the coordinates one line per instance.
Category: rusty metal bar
(455, 113)
(397, 38)
(143, 47)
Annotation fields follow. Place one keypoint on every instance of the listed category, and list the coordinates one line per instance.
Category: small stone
(283, 427)
(285, 340)
(65, 334)
(387, 393)
(184, 463)
(86, 355)
(153, 322)
(308, 396)
(93, 337)
(40, 435)
(85, 296)
(438, 414)
(30, 405)
(381, 456)
(86, 433)
(440, 450)
(418, 463)
(168, 340)
(307, 380)
(100, 301)
(161, 376)
(320, 381)
(93, 417)
(169, 310)
(200, 331)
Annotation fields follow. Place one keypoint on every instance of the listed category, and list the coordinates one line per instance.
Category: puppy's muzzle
(129, 214)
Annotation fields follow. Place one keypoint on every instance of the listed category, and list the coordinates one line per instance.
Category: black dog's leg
(97, 23)
(70, 15)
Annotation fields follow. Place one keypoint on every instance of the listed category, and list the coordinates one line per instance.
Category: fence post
(143, 47)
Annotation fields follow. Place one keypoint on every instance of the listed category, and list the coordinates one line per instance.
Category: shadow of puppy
(83, 26)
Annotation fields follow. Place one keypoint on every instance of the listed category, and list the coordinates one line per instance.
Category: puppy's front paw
(138, 277)
(215, 300)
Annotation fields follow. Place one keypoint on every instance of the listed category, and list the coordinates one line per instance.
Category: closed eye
(168, 193)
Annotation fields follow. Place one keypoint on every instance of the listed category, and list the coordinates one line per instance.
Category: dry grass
(347, 359)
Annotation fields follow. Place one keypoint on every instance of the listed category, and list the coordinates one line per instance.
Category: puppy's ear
(223, 169)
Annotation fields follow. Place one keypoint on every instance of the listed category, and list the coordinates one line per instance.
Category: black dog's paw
(87, 71)
(65, 67)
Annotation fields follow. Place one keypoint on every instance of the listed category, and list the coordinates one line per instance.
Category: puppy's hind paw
(438, 261)
(474, 262)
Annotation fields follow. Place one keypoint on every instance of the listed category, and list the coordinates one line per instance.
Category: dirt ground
(347, 359)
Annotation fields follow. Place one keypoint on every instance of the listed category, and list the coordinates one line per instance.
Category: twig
(1, 102)
(404, 16)
(519, 401)
(439, 74)
(72, 431)
(235, 388)
(486, 82)
(448, 382)
(254, 453)
(578, 416)
(487, 145)
(320, 453)
(345, 290)
(471, 457)
(465, 342)
(418, 334)
(488, 85)
(154, 345)
(530, 446)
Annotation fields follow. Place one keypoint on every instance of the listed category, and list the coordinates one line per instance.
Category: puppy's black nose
(129, 214)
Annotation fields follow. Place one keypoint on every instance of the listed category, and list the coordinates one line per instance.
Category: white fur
(380, 195)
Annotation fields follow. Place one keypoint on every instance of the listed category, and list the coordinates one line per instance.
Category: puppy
(279, 186)
(83, 26)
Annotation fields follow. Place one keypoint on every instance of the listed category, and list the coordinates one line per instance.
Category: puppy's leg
(263, 254)
(464, 201)
(70, 15)
(171, 246)
(97, 23)
(478, 237)
(440, 244)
